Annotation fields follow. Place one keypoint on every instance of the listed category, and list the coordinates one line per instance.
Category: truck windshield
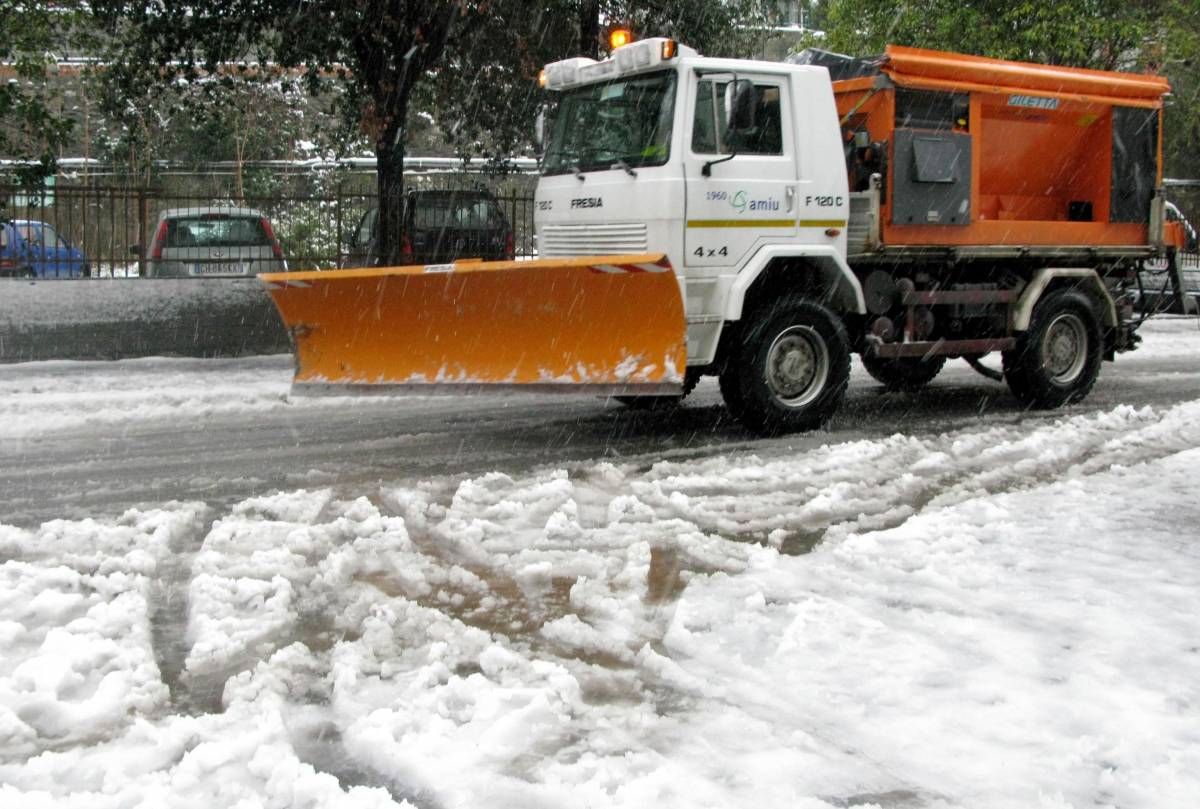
(602, 125)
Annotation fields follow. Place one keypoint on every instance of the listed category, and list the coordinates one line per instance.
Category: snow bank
(103, 318)
(75, 626)
(1003, 616)
(48, 397)
(1027, 649)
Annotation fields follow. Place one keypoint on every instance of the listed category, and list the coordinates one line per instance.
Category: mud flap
(602, 324)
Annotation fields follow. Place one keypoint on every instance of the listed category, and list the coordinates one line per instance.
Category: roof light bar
(631, 58)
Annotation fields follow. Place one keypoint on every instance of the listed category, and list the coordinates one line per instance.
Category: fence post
(1180, 300)
(142, 230)
(337, 227)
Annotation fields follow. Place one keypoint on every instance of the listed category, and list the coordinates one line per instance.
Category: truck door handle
(790, 195)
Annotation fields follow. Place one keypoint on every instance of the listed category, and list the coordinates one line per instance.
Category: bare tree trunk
(589, 28)
(239, 146)
(389, 157)
(87, 140)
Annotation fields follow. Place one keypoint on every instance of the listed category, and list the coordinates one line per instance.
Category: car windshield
(602, 125)
(216, 230)
(451, 212)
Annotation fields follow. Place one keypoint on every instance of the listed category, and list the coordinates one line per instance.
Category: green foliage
(1103, 34)
(1180, 61)
(488, 99)
(374, 52)
(33, 126)
(1152, 35)
(472, 63)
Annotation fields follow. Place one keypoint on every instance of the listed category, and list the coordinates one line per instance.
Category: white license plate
(226, 268)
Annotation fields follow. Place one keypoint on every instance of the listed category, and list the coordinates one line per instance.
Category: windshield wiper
(621, 164)
(569, 158)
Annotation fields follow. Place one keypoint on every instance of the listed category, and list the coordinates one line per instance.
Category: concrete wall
(102, 318)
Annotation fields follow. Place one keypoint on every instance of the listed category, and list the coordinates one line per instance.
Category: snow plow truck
(762, 221)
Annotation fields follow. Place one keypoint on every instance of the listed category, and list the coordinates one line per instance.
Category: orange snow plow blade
(604, 324)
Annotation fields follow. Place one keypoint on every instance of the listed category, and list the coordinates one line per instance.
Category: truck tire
(690, 380)
(903, 373)
(730, 385)
(1057, 359)
(789, 370)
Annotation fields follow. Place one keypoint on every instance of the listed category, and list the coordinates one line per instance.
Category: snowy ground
(940, 602)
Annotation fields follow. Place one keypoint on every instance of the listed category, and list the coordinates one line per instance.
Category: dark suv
(439, 227)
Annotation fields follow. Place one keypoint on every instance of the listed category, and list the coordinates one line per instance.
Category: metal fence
(113, 226)
(1189, 268)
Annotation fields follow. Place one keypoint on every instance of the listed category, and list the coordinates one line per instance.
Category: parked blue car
(33, 249)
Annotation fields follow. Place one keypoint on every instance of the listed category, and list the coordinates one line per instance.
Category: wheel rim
(797, 366)
(1064, 351)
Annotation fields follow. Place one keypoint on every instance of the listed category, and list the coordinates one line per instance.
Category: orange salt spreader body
(602, 324)
(1048, 155)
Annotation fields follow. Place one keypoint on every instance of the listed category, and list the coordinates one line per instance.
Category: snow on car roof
(179, 213)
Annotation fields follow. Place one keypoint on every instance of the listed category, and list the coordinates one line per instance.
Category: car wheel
(1057, 359)
(790, 370)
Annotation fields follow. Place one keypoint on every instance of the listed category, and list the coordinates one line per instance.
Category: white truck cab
(723, 165)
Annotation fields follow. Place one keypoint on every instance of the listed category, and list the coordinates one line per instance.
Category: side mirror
(741, 105)
(539, 129)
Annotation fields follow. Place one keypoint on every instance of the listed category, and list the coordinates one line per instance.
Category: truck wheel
(790, 370)
(903, 373)
(1056, 361)
(730, 384)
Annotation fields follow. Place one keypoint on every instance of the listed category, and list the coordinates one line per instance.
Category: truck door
(748, 195)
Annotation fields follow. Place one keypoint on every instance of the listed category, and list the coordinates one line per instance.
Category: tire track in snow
(169, 608)
(795, 501)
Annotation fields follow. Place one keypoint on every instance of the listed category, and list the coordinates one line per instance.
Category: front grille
(592, 240)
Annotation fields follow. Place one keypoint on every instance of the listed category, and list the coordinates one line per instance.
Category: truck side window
(709, 120)
(709, 135)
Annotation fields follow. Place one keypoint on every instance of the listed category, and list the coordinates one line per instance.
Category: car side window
(709, 135)
(366, 228)
(31, 233)
(52, 237)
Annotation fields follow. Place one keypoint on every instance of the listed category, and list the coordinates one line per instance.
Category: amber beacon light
(619, 38)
